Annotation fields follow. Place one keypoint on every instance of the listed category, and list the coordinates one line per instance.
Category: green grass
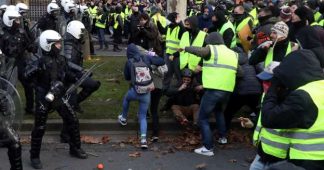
(107, 101)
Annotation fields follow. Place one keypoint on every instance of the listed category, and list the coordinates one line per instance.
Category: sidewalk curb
(110, 125)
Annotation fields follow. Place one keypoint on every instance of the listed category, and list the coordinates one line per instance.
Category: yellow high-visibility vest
(189, 59)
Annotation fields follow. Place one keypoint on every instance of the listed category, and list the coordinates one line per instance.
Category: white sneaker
(122, 120)
(144, 144)
(222, 140)
(204, 151)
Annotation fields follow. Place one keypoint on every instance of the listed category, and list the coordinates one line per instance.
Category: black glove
(3, 104)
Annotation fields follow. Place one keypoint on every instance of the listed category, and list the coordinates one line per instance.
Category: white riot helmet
(48, 38)
(22, 8)
(83, 8)
(51, 7)
(69, 6)
(3, 7)
(76, 29)
(10, 8)
(10, 16)
(63, 2)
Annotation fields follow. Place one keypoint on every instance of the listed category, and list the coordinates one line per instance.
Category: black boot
(14, 154)
(78, 153)
(34, 153)
(116, 49)
(75, 142)
(36, 163)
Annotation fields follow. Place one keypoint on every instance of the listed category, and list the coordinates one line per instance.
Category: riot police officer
(49, 21)
(8, 134)
(74, 38)
(52, 77)
(14, 43)
(28, 87)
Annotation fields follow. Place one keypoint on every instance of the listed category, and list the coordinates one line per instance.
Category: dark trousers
(42, 110)
(11, 141)
(173, 69)
(156, 95)
(92, 51)
(213, 101)
(236, 102)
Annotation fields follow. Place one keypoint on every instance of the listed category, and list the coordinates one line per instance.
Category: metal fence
(37, 8)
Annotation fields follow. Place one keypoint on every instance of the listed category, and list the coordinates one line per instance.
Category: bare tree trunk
(179, 6)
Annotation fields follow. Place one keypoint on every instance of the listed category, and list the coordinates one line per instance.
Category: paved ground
(115, 156)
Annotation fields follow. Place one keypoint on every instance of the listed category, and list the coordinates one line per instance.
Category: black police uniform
(14, 43)
(52, 69)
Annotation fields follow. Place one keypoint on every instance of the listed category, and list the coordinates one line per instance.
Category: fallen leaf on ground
(135, 154)
(94, 140)
(105, 139)
(201, 166)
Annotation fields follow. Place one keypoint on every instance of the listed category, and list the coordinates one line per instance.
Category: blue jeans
(212, 100)
(101, 37)
(144, 102)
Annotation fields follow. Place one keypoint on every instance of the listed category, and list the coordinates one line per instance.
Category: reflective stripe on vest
(254, 14)
(308, 144)
(189, 59)
(226, 26)
(99, 24)
(315, 24)
(116, 24)
(219, 72)
(240, 27)
(272, 140)
(269, 57)
(172, 40)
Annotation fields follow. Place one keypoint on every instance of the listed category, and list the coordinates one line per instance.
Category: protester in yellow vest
(243, 25)
(218, 79)
(101, 20)
(192, 37)
(293, 111)
(128, 13)
(173, 33)
(93, 11)
(118, 28)
(276, 49)
(224, 27)
(157, 18)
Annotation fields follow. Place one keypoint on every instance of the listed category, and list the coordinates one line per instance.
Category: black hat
(304, 14)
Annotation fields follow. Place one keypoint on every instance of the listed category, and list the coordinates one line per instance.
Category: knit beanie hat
(285, 13)
(281, 29)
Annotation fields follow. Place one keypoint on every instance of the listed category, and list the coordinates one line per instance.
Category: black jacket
(217, 26)
(184, 97)
(308, 38)
(285, 107)
(47, 22)
(246, 80)
(73, 49)
(279, 52)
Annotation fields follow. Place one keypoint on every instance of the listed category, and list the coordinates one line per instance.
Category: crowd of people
(266, 55)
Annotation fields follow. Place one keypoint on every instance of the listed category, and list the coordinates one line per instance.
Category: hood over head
(193, 21)
(214, 38)
(299, 68)
(133, 52)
